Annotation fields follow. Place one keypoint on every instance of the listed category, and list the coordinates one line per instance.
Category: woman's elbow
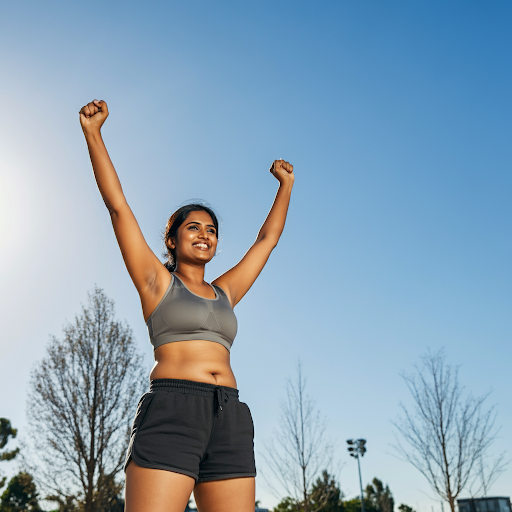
(115, 208)
(269, 240)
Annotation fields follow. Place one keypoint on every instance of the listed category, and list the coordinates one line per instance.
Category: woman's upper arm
(141, 262)
(237, 281)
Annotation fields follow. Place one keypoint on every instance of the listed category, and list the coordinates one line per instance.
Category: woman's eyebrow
(199, 224)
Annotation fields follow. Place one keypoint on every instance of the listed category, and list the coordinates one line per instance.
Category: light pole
(356, 448)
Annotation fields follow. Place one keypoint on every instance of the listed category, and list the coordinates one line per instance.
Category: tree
(20, 495)
(378, 497)
(65, 503)
(326, 495)
(81, 405)
(324, 492)
(446, 433)
(287, 504)
(405, 508)
(353, 505)
(107, 499)
(6, 431)
(299, 449)
(486, 474)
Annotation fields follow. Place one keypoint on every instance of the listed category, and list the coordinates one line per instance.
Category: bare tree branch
(299, 450)
(486, 474)
(445, 433)
(82, 401)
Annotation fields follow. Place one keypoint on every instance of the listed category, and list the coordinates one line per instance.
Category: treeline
(446, 434)
(325, 495)
(21, 491)
(84, 392)
(21, 495)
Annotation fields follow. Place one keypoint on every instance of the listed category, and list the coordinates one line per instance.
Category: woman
(190, 433)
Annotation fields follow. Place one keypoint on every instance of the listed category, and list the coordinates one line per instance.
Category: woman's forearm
(274, 223)
(92, 117)
(104, 171)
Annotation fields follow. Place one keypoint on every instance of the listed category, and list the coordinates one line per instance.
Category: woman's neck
(192, 273)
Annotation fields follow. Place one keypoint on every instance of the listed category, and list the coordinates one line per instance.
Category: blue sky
(396, 116)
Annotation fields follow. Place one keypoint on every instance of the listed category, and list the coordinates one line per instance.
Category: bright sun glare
(14, 212)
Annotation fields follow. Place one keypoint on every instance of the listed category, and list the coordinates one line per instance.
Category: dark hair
(176, 220)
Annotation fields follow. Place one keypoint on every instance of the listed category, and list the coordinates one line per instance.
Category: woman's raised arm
(237, 281)
(142, 264)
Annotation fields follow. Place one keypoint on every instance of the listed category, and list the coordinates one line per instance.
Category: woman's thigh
(232, 495)
(156, 490)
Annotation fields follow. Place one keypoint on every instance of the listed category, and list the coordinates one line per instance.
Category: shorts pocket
(142, 410)
(246, 407)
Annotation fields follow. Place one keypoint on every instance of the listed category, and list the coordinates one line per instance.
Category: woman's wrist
(92, 134)
(286, 185)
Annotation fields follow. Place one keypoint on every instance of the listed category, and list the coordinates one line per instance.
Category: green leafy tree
(287, 505)
(378, 498)
(82, 401)
(20, 495)
(6, 432)
(405, 508)
(326, 495)
(353, 505)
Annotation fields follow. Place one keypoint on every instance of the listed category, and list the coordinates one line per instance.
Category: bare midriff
(197, 360)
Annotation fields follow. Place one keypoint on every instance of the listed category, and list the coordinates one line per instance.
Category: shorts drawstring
(220, 396)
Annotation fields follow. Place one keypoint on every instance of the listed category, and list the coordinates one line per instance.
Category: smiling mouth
(201, 246)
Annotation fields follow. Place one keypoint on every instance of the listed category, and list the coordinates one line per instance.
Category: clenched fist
(283, 171)
(93, 115)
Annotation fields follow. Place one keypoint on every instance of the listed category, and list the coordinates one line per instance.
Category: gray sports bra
(182, 315)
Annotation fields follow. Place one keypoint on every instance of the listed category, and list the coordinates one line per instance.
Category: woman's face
(196, 239)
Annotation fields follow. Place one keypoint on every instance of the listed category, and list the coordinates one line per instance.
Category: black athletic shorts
(197, 429)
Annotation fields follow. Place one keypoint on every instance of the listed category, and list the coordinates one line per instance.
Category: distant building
(496, 504)
(258, 509)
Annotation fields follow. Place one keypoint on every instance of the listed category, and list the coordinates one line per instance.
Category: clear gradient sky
(397, 118)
